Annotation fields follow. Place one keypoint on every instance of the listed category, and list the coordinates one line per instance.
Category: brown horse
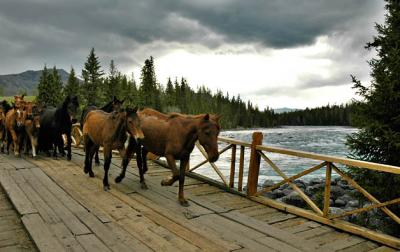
(110, 131)
(174, 137)
(15, 121)
(32, 126)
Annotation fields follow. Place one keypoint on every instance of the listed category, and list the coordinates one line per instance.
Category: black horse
(54, 122)
(113, 105)
(4, 108)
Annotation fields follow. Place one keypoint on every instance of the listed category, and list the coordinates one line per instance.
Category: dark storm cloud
(61, 32)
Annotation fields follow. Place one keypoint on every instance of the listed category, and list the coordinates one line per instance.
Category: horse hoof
(106, 188)
(143, 186)
(118, 179)
(166, 182)
(91, 174)
(184, 202)
(69, 158)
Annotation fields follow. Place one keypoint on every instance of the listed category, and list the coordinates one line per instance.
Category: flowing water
(327, 140)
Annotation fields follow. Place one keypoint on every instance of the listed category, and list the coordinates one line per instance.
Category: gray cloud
(34, 32)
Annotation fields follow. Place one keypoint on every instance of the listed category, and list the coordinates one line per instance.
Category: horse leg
(9, 139)
(96, 158)
(69, 141)
(33, 145)
(126, 158)
(87, 144)
(144, 158)
(15, 142)
(92, 150)
(182, 172)
(175, 173)
(107, 161)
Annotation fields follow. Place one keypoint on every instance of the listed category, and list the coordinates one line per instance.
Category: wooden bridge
(62, 209)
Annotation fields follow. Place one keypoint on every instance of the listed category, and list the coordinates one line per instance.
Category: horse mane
(107, 107)
(6, 106)
(121, 127)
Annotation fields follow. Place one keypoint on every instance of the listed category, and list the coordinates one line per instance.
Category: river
(327, 140)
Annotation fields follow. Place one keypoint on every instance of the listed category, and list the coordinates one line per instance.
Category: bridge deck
(62, 209)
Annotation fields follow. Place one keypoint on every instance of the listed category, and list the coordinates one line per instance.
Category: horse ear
(115, 98)
(207, 117)
(217, 118)
(23, 95)
(135, 109)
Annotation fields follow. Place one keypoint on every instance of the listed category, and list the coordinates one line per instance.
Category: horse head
(116, 104)
(20, 116)
(207, 133)
(19, 101)
(72, 105)
(133, 124)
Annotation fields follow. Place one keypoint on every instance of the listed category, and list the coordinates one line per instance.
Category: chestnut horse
(15, 122)
(32, 126)
(174, 137)
(113, 105)
(110, 131)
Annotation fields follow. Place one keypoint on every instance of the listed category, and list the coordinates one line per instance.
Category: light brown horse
(174, 137)
(15, 121)
(110, 131)
(32, 127)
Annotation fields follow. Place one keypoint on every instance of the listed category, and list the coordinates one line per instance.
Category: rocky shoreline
(343, 196)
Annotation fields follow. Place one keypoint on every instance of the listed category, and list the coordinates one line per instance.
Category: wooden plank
(270, 231)
(66, 238)
(277, 245)
(20, 201)
(343, 225)
(383, 249)
(342, 243)
(315, 232)
(92, 244)
(126, 238)
(44, 239)
(232, 231)
(69, 219)
(241, 167)
(363, 246)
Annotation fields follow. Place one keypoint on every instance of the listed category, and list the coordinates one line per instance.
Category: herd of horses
(28, 126)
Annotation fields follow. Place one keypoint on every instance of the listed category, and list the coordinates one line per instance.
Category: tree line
(97, 88)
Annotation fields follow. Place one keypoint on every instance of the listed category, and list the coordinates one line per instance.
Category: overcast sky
(277, 53)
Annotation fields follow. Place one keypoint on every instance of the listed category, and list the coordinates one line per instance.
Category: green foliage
(92, 81)
(50, 87)
(378, 114)
(149, 89)
(72, 87)
(339, 115)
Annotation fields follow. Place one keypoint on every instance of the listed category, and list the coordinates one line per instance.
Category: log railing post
(233, 167)
(327, 195)
(241, 166)
(254, 166)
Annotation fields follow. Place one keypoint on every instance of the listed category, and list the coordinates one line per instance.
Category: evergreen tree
(149, 92)
(378, 114)
(112, 85)
(92, 79)
(72, 87)
(49, 87)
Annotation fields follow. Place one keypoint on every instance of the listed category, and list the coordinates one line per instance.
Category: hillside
(26, 81)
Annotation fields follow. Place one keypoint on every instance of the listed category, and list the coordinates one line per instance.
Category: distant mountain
(283, 110)
(27, 81)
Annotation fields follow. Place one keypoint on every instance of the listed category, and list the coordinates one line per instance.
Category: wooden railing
(259, 153)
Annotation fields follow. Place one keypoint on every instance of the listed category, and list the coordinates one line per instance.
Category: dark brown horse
(174, 137)
(110, 131)
(4, 108)
(32, 127)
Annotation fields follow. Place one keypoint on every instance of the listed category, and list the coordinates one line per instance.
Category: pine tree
(72, 87)
(378, 114)
(56, 88)
(43, 87)
(149, 91)
(92, 79)
(112, 85)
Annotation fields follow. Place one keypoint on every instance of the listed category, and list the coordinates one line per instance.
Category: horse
(113, 105)
(110, 131)
(174, 137)
(32, 127)
(4, 108)
(15, 119)
(57, 121)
